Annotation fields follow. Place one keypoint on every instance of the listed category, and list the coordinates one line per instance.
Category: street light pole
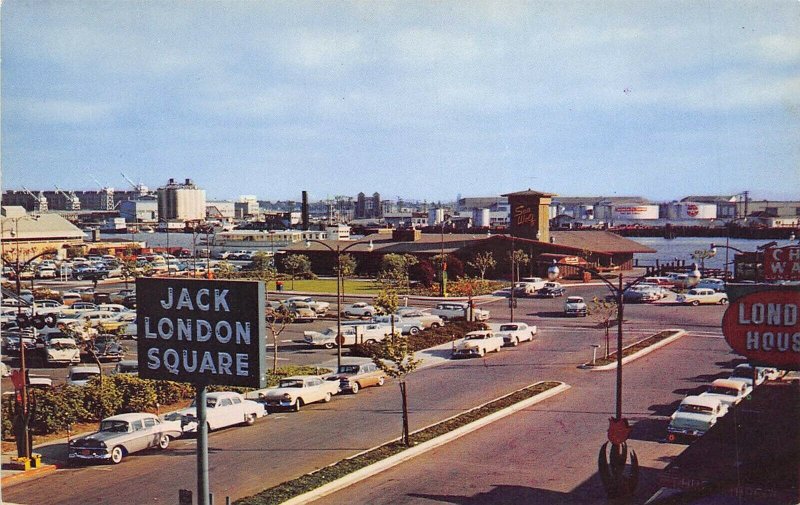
(513, 262)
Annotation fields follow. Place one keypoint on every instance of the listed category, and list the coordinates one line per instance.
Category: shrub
(8, 411)
(101, 399)
(426, 338)
(168, 392)
(423, 273)
(138, 395)
(57, 408)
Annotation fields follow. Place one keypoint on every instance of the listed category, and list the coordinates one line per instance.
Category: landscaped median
(637, 349)
(365, 464)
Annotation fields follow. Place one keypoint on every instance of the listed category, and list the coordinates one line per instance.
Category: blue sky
(423, 100)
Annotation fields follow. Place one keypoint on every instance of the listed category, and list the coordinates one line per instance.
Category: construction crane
(73, 202)
(40, 201)
(140, 188)
(106, 195)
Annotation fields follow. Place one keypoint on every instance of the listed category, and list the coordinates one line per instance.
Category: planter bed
(634, 348)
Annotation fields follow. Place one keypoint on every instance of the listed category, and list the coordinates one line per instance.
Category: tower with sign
(530, 214)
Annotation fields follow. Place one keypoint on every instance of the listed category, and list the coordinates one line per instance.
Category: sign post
(202, 332)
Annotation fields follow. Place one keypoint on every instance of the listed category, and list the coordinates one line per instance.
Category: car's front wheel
(413, 330)
(695, 303)
(116, 455)
(354, 388)
(381, 381)
(297, 404)
(328, 345)
(250, 420)
(723, 301)
(163, 442)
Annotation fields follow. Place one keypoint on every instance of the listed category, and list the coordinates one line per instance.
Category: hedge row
(430, 337)
(52, 410)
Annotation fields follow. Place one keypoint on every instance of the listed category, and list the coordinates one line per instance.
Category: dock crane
(40, 201)
(73, 202)
(140, 189)
(106, 195)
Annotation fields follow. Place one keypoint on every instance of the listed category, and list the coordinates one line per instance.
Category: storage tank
(634, 211)
(435, 217)
(693, 210)
(481, 218)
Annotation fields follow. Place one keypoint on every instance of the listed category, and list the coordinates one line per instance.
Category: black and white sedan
(121, 435)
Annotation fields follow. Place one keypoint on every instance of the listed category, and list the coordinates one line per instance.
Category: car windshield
(114, 426)
(476, 337)
(348, 369)
(291, 383)
(63, 346)
(508, 327)
(745, 373)
(82, 376)
(719, 390)
(210, 403)
(695, 409)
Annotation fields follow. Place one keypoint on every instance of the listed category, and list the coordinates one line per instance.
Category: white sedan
(294, 392)
(478, 343)
(359, 309)
(514, 333)
(697, 296)
(224, 408)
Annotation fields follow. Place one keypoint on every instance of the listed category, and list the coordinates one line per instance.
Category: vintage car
(730, 392)
(369, 333)
(477, 343)
(62, 350)
(514, 333)
(359, 309)
(106, 348)
(575, 306)
(459, 310)
(696, 296)
(695, 416)
(745, 372)
(354, 377)
(126, 367)
(407, 325)
(121, 435)
(427, 320)
(321, 308)
(551, 290)
(301, 312)
(223, 409)
(294, 392)
(717, 285)
(80, 375)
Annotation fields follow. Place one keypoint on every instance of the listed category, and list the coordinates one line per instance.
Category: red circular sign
(764, 328)
(339, 339)
(692, 210)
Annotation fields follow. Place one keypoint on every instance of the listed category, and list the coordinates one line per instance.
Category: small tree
(423, 273)
(225, 270)
(518, 258)
(130, 270)
(277, 321)
(482, 262)
(347, 264)
(388, 301)
(397, 360)
(394, 269)
(295, 264)
(603, 311)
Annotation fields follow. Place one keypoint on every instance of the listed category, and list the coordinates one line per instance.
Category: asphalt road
(282, 446)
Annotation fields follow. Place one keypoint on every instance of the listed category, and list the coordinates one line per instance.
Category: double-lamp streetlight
(339, 288)
(612, 470)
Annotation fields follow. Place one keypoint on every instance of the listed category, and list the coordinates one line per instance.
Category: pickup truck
(458, 310)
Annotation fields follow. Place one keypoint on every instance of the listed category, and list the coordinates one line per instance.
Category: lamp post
(23, 416)
(339, 289)
(612, 470)
(443, 285)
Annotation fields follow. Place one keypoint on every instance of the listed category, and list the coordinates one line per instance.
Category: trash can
(279, 285)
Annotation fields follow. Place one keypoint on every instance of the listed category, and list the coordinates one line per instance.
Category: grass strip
(305, 483)
(635, 347)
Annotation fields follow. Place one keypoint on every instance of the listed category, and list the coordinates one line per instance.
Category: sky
(421, 100)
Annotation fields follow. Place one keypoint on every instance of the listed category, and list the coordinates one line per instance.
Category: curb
(370, 470)
(637, 354)
(22, 476)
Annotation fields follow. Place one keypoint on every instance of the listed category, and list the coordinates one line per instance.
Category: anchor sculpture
(612, 468)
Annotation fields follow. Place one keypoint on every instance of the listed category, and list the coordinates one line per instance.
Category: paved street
(568, 430)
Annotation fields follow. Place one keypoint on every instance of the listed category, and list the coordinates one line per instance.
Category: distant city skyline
(419, 100)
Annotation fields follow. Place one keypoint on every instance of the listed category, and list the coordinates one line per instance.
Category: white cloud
(59, 111)
(779, 48)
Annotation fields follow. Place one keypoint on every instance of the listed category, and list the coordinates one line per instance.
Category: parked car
(119, 296)
(642, 293)
(696, 296)
(406, 325)
(551, 290)
(354, 377)
(81, 374)
(717, 285)
(359, 309)
(514, 333)
(528, 286)
(660, 281)
(294, 392)
(459, 310)
(477, 343)
(90, 273)
(575, 306)
(427, 320)
(729, 392)
(321, 308)
(107, 348)
(695, 416)
(745, 372)
(62, 351)
(302, 312)
(223, 409)
(122, 435)
(126, 367)
(46, 273)
(369, 333)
